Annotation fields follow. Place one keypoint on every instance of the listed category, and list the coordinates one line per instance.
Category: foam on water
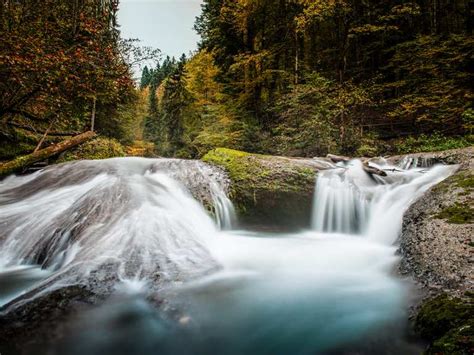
(133, 224)
(124, 217)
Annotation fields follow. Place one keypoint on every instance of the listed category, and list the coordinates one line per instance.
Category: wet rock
(438, 230)
(27, 328)
(269, 189)
(436, 246)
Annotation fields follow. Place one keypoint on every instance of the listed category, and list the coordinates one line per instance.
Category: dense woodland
(300, 77)
(290, 77)
(63, 63)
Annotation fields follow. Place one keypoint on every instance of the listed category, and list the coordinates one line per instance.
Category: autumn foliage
(56, 56)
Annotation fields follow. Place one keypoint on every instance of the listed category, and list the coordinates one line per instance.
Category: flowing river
(178, 280)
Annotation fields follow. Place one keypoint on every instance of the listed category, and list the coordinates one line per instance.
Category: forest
(288, 77)
(306, 78)
(301, 182)
(63, 63)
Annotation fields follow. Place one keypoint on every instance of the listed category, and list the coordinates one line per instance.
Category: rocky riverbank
(436, 246)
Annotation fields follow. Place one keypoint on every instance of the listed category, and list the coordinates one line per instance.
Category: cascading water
(112, 220)
(349, 200)
(340, 204)
(131, 225)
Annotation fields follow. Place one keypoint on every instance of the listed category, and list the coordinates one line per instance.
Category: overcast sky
(163, 24)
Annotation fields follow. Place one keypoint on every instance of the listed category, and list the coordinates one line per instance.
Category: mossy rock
(465, 181)
(457, 214)
(448, 323)
(460, 211)
(268, 190)
(98, 148)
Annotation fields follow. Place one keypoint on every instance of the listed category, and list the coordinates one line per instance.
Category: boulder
(436, 248)
(269, 190)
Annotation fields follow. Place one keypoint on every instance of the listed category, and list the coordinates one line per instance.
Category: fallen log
(25, 161)
(367, 168)
(338, 158)
(372, 170)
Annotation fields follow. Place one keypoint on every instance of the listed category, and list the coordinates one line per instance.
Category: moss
(462, 180)
(458, 341)
(261, 171)
(457, 214)
(98, 148)
(267, 188)
(465, 181)
(10, 150)
(20, 143)
(447, 322)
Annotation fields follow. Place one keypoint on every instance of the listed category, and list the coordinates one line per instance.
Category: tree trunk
(296, 58)
(94, 102)
(338, 158)
(25, 161)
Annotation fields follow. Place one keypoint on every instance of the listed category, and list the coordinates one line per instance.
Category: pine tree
(145, 79)
(152, 129)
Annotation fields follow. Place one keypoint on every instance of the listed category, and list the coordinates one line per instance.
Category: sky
(163, 24)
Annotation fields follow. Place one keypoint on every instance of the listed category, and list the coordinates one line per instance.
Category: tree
(264, 50)
(146, 77)
(174, 106)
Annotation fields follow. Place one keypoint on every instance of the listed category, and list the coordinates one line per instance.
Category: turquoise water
(182, 285)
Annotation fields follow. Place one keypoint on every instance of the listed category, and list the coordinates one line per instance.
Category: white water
(350, 201)
(112, 220)
(128, 224)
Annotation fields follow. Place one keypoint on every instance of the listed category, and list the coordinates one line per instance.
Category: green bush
(99, 148)
(432, 143)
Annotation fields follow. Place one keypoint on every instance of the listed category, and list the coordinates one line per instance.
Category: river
(176, 279)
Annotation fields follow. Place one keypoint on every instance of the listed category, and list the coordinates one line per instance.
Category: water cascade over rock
(349, 200)
(134, 227)
(112, 220)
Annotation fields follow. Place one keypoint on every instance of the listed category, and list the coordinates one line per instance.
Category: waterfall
(348, 200)
(203, 181)
(122, 218)
(138, 229)
(340, 204)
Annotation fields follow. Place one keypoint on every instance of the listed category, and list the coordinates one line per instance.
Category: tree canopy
(294, 77)
(301, 77)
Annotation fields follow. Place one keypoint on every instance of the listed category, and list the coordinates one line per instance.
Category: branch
(55, 134)
(27, 115)
(23, 162)
(21, 101)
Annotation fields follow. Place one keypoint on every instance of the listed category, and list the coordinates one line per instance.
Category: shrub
(99, 148)
(432, 143)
